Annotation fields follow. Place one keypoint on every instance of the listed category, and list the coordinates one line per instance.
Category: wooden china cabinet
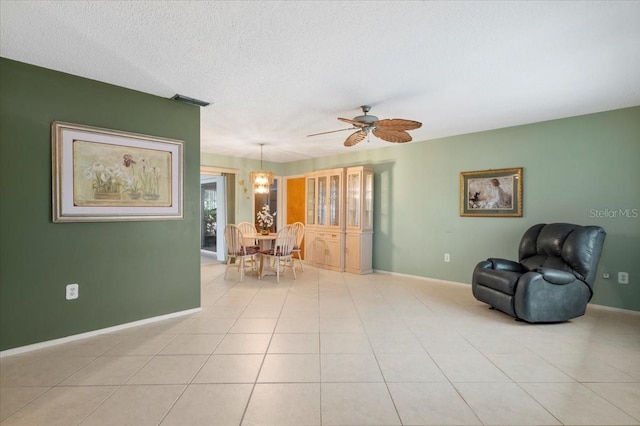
(359, 220)
(331, 240)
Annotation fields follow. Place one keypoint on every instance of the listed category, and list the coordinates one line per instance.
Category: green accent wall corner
(127, 271)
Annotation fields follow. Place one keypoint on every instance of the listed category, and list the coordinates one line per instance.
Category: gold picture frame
(103, 175)
(491, 193)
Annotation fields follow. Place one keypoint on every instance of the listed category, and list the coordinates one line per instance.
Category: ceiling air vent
(191, 101)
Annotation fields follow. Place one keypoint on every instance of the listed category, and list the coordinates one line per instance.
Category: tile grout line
(264, 357)
(373, 352)
(116, 387)
(186, 386)
(319, 345)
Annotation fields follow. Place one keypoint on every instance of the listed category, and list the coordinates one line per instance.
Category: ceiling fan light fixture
(261, 179)
(390, 129)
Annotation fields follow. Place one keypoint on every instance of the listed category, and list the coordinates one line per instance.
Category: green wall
(574, 170)
(127, 271)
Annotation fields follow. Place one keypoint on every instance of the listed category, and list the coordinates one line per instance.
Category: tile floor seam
(186, 386)
(126, 383)
(413, 333)
(584, 387)
(264, 357)
(539, 402)
(98, 405)
(375, 356)
(173, 404)
(457, 391)
(29, 402)
(319, 316)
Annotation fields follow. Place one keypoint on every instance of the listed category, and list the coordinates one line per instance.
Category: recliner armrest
(505, 265)
(556, 276)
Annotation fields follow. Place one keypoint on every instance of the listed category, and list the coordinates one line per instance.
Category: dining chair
(280, 255)
(237, 251)
(248, 228)
(296, 252)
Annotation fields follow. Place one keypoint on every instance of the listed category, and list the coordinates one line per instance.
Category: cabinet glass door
(311, 201)
(368, 200)
(322, 200)
(334, 200)
(353, 200)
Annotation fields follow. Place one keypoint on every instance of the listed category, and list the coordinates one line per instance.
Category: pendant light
(261, 179)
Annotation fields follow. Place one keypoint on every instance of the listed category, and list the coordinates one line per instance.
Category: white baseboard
(613, 309)
(418, 277)
(603, 307)
(48, 343)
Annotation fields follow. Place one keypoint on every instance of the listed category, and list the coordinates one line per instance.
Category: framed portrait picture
(101, 175)
(491, 193)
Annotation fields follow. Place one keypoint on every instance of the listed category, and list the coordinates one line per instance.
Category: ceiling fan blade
(354, 122)
(396, 136)
(397, 124)
(355, 138)
(331, 131)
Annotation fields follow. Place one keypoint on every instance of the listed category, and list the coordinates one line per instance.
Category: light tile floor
(335, 349)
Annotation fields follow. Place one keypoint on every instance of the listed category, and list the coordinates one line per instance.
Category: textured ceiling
(275, 72)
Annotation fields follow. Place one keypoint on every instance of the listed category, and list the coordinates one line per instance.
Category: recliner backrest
(572, 248)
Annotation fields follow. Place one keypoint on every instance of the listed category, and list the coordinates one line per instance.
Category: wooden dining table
(265, 240)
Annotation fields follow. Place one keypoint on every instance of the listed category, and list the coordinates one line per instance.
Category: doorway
(295, 192)
(213, 216)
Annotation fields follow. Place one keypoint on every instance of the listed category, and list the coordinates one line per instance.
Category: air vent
(188, 100)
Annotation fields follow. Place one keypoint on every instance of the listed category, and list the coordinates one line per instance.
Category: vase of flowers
(265, 219)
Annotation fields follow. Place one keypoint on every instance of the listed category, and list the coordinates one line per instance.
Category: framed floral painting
(108, 175)
(492, 193)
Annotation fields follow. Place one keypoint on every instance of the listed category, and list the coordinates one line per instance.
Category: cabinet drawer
(328, 235)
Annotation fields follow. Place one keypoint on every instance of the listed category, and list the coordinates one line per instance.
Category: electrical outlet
(447, 257)
(605, 275)
(72, 291)
(623, 277)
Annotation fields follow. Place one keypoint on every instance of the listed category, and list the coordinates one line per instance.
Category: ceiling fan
(390, 129)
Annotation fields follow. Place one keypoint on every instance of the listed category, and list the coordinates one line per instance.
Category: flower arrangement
(265, 218)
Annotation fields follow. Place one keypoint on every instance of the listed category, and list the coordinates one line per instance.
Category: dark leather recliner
(554, 279)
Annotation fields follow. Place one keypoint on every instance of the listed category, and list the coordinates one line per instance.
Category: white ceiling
(277, 71)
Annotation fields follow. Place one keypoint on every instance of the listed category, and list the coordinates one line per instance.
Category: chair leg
(241, 267)
(226, 270)
(293, 269)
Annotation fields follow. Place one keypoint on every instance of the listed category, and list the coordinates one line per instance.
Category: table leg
(260, 266)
